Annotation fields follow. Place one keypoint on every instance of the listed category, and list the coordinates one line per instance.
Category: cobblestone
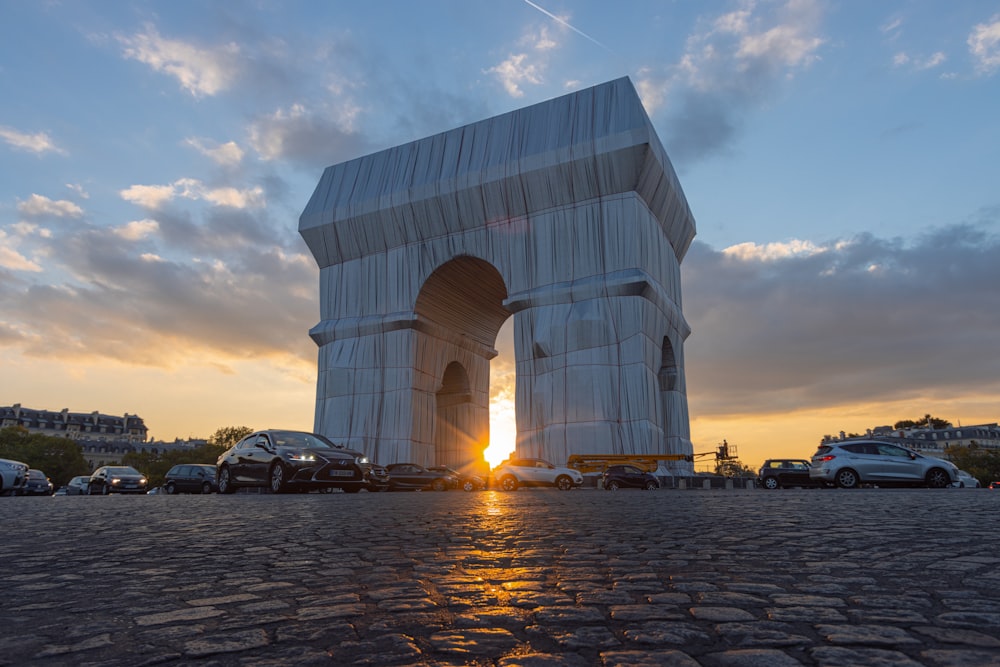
(673, 578)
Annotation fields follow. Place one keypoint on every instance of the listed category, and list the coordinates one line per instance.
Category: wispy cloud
(228, 154)
(156, 196)
(11, 259)
(984, 44)
(903, 59)
(37, 206)
(200, 70)
(729, 67)
(40, 142)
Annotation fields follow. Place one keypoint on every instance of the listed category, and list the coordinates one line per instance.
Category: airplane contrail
(559, 20)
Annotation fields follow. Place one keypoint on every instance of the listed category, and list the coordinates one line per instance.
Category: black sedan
(628, 477)
(464, 481)
(116, 479)
(413, 477)
(291, 461)
(190, 478)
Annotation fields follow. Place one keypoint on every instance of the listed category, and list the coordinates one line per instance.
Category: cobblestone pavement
(673, 578)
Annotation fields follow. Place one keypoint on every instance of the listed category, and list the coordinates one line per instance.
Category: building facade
(93, 426)
(103, 439)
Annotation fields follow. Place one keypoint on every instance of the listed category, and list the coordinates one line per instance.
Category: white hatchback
(514, 473)
(13, 477)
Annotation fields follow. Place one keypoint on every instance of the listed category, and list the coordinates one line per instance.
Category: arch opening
(462, 302)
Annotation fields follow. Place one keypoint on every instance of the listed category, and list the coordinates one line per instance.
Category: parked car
(116, 479)
(13, 475)
(38, 484)
(785, 473)
(78, 486)
(291, 461)
(378, 478)
(851, 463)
(413, 477)
(190, 478)
(628, 477)
(966, 481)
(464, 481)
(995, 485)
(515, 473)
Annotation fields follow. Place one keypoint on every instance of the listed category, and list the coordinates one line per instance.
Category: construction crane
(586, 463)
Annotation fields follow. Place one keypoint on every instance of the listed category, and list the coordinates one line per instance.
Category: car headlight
(115, 480)
(301, 456)
(361, 460)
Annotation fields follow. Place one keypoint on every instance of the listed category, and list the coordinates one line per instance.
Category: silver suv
(851, 463)
(514, 473)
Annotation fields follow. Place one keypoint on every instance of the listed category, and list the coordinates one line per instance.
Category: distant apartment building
(76, 425)
(103, 439)
(935, 441)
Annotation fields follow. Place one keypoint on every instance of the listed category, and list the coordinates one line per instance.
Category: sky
(841, 160)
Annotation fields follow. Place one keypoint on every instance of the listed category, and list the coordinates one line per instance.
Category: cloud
(137, 229)
(806, 325)
(154, 197)
(903, 59)
(516, 71)
(148, 196)
(228, 154)
(11, 259)
(78, 189)
(200, 70)
(40, 206)
(309, 137)
(35, 143)
(984, 44)
(730, 66)
(528, 66)
(138, 306)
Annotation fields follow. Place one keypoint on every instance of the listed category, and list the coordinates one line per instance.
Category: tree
(59, 458)
(227, 436)
(983, 464)
(926, 422)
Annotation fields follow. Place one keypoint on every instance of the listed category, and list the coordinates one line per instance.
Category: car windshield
(300, 439)
(123, 470)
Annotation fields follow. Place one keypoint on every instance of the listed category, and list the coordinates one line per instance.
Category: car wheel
(170, 489)
(206, 487)
(938, 478)
(564, 483)
(468, 485)
(277, 477)
(105, 490)
(770, 483)
(509, 483)
(613, 485)
(847, 479)
(226, 481)
(652, 486)
(439, 485)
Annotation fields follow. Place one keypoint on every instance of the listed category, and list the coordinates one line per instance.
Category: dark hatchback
(291, 461)
(38, 484)
(190, 478)
(628, 477)
(413, 477)
(785, 473)
(116, 479)
(464, 481)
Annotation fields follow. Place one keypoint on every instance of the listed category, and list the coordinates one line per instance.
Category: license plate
(341, 473)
